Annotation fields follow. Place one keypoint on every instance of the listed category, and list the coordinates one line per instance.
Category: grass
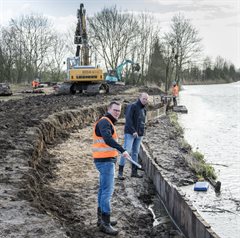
(174, 121)
(202, 168)
(185, 146)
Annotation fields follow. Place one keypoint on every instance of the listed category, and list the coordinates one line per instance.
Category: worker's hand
(135, 134)
(125, 154)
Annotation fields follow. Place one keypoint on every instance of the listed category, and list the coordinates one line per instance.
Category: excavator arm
(116, 74)
(81, 38)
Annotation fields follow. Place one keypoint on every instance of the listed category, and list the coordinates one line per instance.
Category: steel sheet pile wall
(179, 207)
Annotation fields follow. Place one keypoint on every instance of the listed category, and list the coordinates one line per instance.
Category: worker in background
(105, 152)
(133, 133)
(35, 84)
(175, 91)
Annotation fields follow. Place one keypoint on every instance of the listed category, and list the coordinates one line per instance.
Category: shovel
(134, 162)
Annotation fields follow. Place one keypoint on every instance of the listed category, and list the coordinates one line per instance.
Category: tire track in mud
(77, 177)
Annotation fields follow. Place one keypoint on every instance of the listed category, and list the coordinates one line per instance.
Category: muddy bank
(42, 193)
(165, 144)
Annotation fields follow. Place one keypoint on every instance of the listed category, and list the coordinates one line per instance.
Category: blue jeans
(132, 146)
(106, 184)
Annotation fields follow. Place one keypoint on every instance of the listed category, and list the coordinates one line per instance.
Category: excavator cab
(115, 75)
(111, 77)
(73, 62)
(136, 67)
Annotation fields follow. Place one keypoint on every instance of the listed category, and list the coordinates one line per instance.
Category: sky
(217, 21)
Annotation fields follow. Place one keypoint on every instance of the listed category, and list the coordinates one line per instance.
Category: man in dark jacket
(133, 132)
(105, 152)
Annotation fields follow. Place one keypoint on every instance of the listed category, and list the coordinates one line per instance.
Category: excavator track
(82, 88)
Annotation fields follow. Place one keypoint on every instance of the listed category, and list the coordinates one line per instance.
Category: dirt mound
(153, 90)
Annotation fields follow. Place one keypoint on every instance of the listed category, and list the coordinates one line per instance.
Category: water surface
(212, 126)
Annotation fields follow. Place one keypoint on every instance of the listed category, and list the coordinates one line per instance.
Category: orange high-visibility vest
(35, 84)
(175, 91)
(99, 148)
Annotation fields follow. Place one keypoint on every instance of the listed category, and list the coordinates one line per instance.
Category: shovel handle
(134, 162)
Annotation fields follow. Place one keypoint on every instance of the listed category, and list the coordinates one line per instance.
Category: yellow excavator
(81, 76)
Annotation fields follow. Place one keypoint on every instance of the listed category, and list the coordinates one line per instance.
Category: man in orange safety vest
(105, 151)
(175, 91)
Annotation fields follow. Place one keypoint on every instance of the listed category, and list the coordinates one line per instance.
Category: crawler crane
(81, 75)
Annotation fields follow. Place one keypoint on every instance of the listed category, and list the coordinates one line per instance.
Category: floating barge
(180, 108)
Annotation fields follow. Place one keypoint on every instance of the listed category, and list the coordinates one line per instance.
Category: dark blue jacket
(135, 116)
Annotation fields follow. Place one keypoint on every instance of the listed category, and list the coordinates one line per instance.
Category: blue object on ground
(201, 186)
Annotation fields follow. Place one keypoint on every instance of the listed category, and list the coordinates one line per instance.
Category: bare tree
(184, 40)
(169, 61)
(111, 35)
(219, 62)
(33, 39)
(144, 42)
(207, 63)
(69, 41)
(207, 69)
(55, 60)
(6, 56)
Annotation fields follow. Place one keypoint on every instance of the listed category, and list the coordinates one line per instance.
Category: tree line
(30, 47)
(218, 71)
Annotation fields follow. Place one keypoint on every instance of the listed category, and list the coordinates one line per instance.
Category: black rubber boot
(174, 101)
(106, 227)
(134, 172)
(120, 173)
(99, 218)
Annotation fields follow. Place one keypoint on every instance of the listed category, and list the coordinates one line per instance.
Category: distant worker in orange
(175, 91)
(35, 84)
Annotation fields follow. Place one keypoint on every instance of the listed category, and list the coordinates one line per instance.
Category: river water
(212, 126)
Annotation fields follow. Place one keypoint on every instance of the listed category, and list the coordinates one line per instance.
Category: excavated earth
(48, 179)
